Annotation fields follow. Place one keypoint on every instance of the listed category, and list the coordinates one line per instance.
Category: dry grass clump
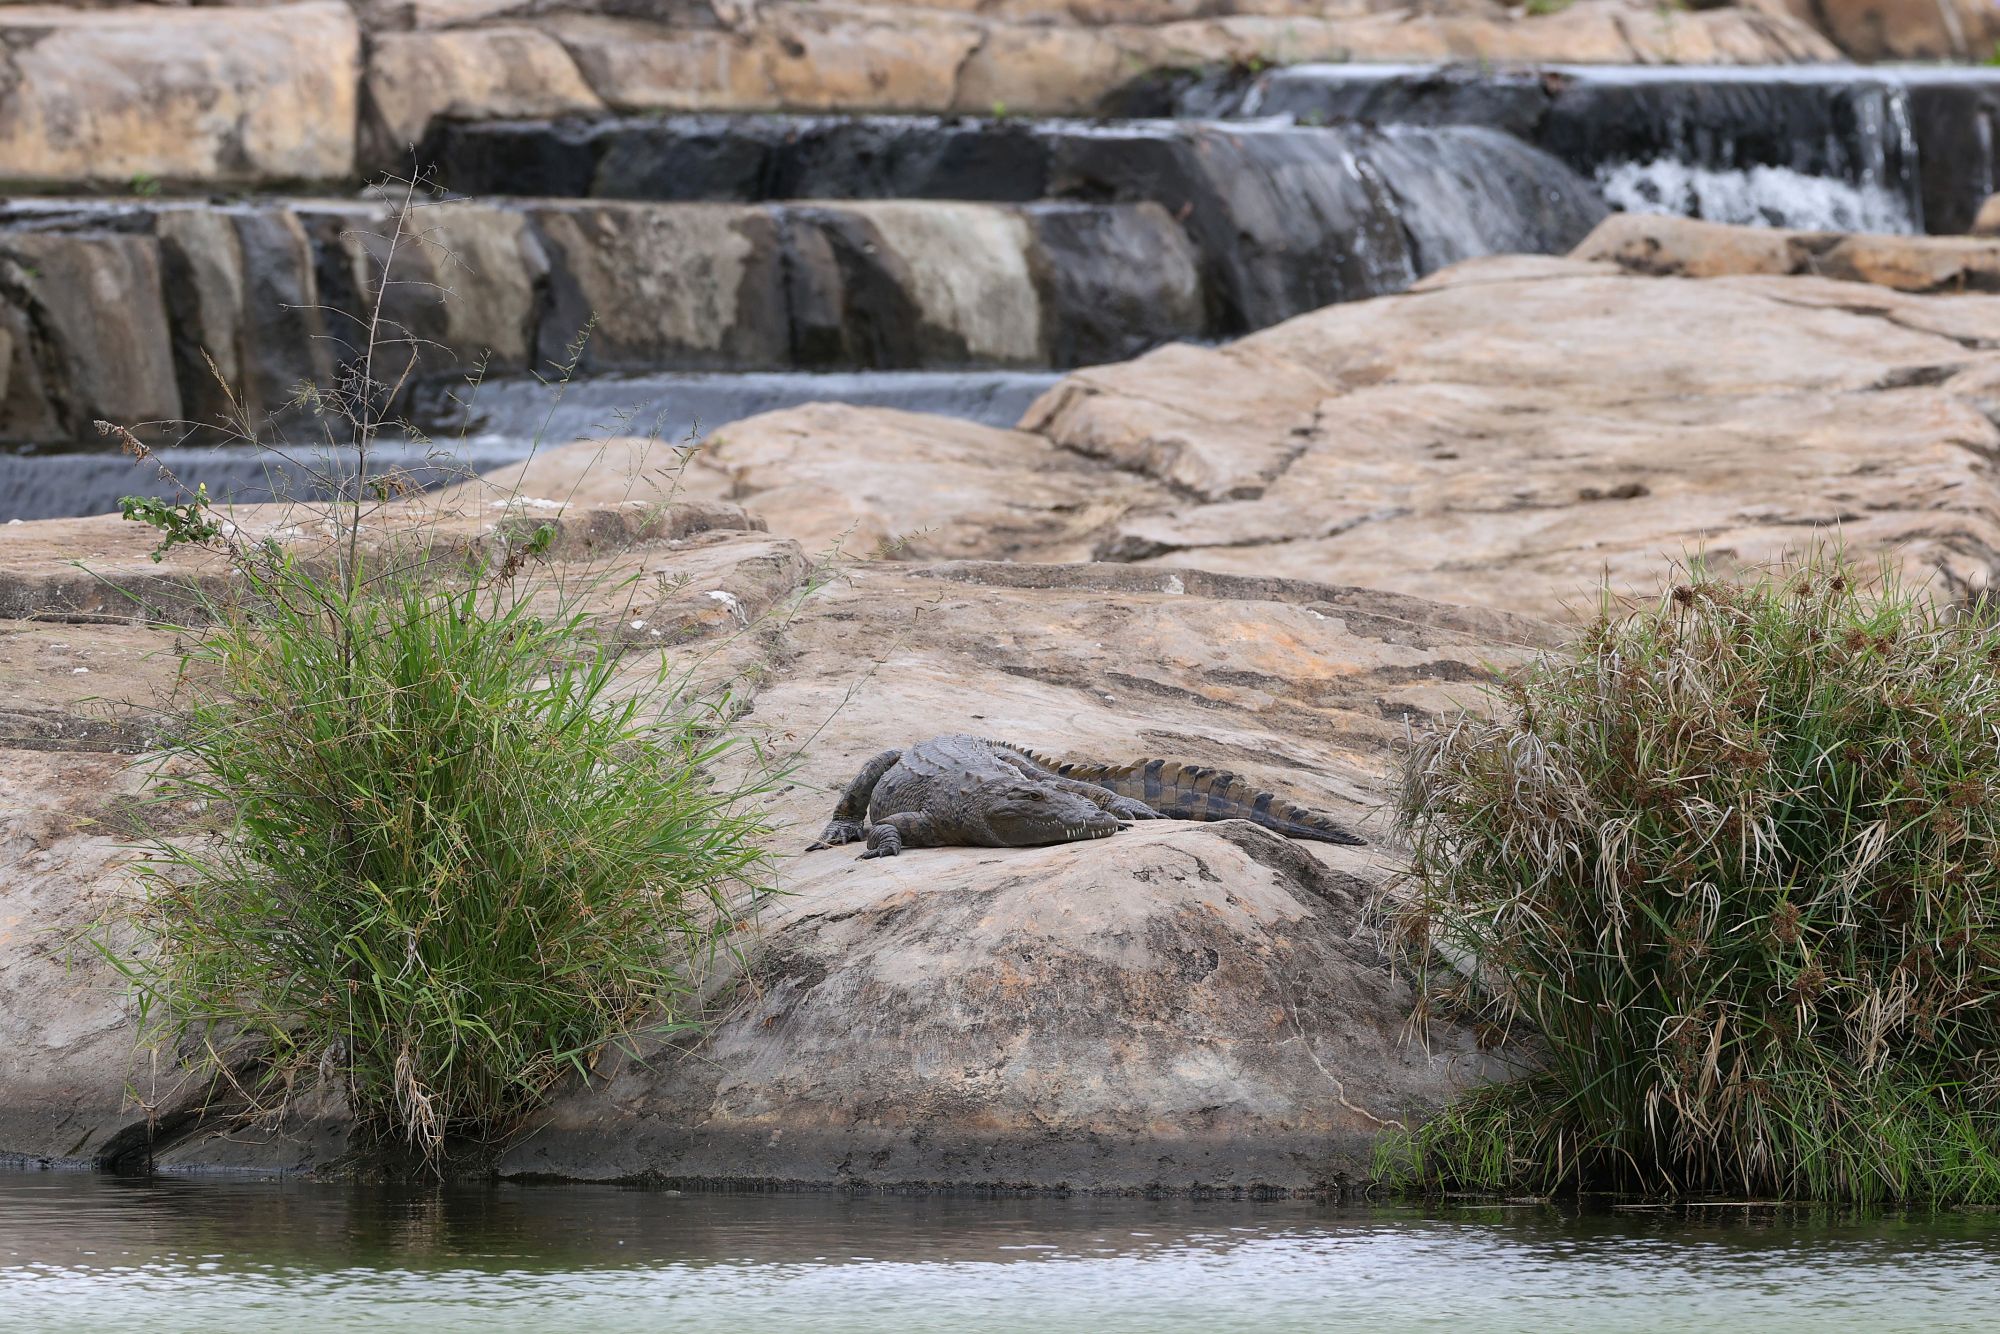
(1729, 861)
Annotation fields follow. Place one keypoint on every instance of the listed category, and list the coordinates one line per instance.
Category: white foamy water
(1763, 196)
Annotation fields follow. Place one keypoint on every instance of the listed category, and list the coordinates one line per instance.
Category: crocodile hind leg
(888, 836)
(851, 815)
(1125, 808)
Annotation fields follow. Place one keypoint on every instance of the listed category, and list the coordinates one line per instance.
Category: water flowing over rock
(1825, 148)
(1103, 241)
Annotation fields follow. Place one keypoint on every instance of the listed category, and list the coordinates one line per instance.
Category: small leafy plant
(1728, 864)
(191, 522)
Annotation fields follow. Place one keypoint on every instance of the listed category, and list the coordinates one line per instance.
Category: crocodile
(967, 791)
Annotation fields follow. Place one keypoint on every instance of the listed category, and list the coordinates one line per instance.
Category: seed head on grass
(1728, 864)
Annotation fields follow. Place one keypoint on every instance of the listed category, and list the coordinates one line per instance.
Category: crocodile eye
(1038, 795)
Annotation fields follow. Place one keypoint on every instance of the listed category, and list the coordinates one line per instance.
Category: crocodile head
(1024, 815)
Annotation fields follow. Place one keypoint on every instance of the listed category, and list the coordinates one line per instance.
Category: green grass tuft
(461, 854)
(1728, 865)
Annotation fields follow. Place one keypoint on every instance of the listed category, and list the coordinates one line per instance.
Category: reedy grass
(462, 854)
(456, 845)
(1728, 865)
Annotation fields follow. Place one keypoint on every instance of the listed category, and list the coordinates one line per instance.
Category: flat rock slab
(1520, 433)
(1652, 243)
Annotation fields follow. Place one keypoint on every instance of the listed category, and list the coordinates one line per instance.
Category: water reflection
(81, 1251)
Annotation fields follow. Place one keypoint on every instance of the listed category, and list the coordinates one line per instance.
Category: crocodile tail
(1197, 792)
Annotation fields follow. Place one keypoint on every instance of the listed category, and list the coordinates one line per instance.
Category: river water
(81, 1251)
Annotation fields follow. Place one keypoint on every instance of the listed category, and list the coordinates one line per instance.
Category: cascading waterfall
(1816, 148)
(1289, 218)
(1808, 154)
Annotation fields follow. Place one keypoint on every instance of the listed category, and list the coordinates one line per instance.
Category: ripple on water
(90, 1252)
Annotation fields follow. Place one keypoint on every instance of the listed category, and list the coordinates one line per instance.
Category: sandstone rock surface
(1031, 59)
(1192, 1007)
(1658, 244)
(1513, 432)
(214, 96)
(1958, 30)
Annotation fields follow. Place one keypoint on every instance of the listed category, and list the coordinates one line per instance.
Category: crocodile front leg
(888, 836)
(1125, 808)
(851, 815)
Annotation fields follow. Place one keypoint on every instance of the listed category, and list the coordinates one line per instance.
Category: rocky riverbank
(1275, 556)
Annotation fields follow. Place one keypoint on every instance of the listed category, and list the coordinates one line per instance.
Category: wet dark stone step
(745, 159)
(1284, 218)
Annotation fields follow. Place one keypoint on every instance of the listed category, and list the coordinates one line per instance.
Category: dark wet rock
(1514, 100)
(1112, 280)
(1956, 121)
(549, 159)
(87, 331)
(287, 338)
(1261, 202)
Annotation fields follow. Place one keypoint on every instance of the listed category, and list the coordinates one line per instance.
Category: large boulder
(1180, 1007)
(107, 97)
